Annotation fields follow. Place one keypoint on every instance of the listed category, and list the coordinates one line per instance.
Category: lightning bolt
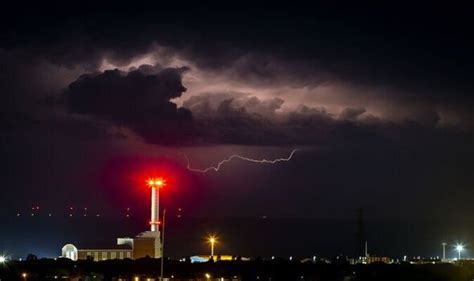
(236, 156)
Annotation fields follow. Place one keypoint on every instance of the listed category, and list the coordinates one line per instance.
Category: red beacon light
(156, 182)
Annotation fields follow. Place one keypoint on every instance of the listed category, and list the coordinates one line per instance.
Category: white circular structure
(69, 251)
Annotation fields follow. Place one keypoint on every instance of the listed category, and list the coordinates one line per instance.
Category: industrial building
(71, 252)
(145, 244)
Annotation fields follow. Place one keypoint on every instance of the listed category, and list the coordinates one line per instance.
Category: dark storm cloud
(369, 45)
(228, 118)
(138, 99)
(220, 118)
(292, 47)
(351, 113)
(222, 104)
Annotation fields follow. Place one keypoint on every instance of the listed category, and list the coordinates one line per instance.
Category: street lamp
(444, 250)
(24, 275)
(459, 248)
(163, 245)
(3, 259)
(212, 240)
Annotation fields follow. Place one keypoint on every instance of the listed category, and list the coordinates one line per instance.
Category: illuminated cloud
(276, 85)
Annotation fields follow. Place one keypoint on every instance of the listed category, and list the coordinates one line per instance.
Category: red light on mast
(156, 182)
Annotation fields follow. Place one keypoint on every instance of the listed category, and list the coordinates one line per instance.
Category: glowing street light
(3, 259)
(212, 240)
(24, 275)
(459, 248)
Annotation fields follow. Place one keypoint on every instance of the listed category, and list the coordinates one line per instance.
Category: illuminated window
(113, 255)
(121, 255)
(104, 255)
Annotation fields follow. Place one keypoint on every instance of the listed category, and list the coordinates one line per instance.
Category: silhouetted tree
(31, 257)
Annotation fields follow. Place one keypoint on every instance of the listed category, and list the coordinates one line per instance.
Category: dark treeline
(274, 270)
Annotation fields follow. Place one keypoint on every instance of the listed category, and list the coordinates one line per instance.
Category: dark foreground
(149, 269)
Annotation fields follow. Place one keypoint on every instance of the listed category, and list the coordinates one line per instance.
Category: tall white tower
(154, 234)
(155, 185)
(155, 208)
(148, 243)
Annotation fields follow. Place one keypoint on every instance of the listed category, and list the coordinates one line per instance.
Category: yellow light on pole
(212, 240)
(459, 248)
(208, 276)
(24, 275)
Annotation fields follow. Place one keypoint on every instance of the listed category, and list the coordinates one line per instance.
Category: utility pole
(360, 234)
(163, 244)
(444, 250)
(366, 250)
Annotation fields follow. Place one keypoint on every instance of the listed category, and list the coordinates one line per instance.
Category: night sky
(377, 100)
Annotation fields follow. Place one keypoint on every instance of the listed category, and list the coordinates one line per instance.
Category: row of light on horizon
(84, 212)
(71, 212)
(207, 275)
